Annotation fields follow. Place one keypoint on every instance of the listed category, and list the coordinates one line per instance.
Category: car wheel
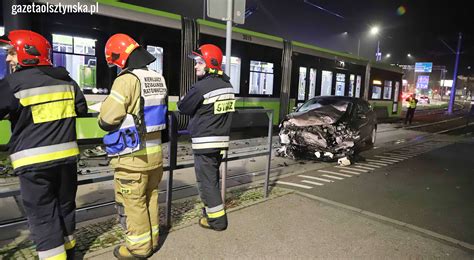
(373, 135)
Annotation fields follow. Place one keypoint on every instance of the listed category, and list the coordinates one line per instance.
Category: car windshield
(318, 103)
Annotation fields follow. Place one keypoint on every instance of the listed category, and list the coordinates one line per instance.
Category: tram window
(234, 72)
(387, 90)
(326, 83)
(77, 55)
(312, 83)
(157, 52)
(397, 88)
(351, 85)
(340, 84)
(358, 82)
(3, 63)
(376, 92)
(261, 78)
(302, 83)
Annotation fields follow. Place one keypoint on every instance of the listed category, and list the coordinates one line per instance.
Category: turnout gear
(118, 48)
(412, 101)
(210, 103)
(32, 48)
(42, 103)
(137, 101)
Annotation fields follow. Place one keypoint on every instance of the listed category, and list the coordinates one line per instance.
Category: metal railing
(172, 166)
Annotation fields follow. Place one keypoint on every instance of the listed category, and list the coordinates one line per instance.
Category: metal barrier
(172, 166)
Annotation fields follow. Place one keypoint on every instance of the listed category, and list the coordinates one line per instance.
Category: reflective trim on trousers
(155, 230)
(132, 240)
(215, 209)
(208, 139)
(57, 253)
(69, 242)
(44, 154)
(210, 145)
(217, 214)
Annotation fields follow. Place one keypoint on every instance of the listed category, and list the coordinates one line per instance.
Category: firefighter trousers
(49, 201)
(136, 197)
(207, 177)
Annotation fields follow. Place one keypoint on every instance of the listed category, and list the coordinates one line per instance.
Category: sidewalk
(293, 226)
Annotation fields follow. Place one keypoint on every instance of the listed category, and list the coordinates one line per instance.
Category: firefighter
(134, 114)
(210, 103)
(42, 103)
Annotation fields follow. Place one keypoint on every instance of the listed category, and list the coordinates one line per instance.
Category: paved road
(428, 184)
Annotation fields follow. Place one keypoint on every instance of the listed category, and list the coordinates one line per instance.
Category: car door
(360, 120)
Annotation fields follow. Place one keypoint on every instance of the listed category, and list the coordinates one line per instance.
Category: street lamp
(388, 55)
(409, 55)
(375, 31)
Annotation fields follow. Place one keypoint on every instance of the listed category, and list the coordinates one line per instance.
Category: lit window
(387, 90)
(397, 89)
(234, 72)
(77, 55)
(3, 58)
(326, 83)
(157, 52)
(376, 92)
(312, 83)
(261, 78)
(358, 82)
(351, 85)
(302, 83)
(340, 84)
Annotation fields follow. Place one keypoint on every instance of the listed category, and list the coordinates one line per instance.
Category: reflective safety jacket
(210, 103)
(412, 102)
(139, 94)
(42, 103)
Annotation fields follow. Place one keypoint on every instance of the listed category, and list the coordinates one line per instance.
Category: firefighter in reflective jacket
(210, 103)
(134, 114)
(42, 103)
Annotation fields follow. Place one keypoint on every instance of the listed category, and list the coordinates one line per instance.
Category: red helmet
(31, 48)
(118, 48)
(211, 54)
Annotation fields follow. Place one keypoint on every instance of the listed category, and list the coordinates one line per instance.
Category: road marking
(335, 173)
(294, 184)
(350, 168)
(369, 165)
(390, 158)
(364, 167)
(312, 182)
(333, 177)
(351, 172)
(392, 155)
(377, 162)
(314, 178)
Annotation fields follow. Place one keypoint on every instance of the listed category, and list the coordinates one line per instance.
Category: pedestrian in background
(412, 101)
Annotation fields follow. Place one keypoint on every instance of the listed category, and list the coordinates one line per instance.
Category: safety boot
(122, 253)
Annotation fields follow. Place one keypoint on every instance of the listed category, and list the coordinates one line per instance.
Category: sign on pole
(422, 82)
(423, 66)
(217, 9)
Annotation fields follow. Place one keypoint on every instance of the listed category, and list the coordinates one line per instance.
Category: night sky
(418, 27)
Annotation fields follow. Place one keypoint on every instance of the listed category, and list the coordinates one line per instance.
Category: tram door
(306, 85)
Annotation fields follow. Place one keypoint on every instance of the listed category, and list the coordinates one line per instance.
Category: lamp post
(375, 31)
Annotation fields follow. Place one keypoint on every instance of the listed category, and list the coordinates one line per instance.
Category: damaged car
(327, 128)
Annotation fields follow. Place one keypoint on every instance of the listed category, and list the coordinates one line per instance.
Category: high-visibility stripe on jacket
(42, 103)
(412, 103)
(210, 103)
